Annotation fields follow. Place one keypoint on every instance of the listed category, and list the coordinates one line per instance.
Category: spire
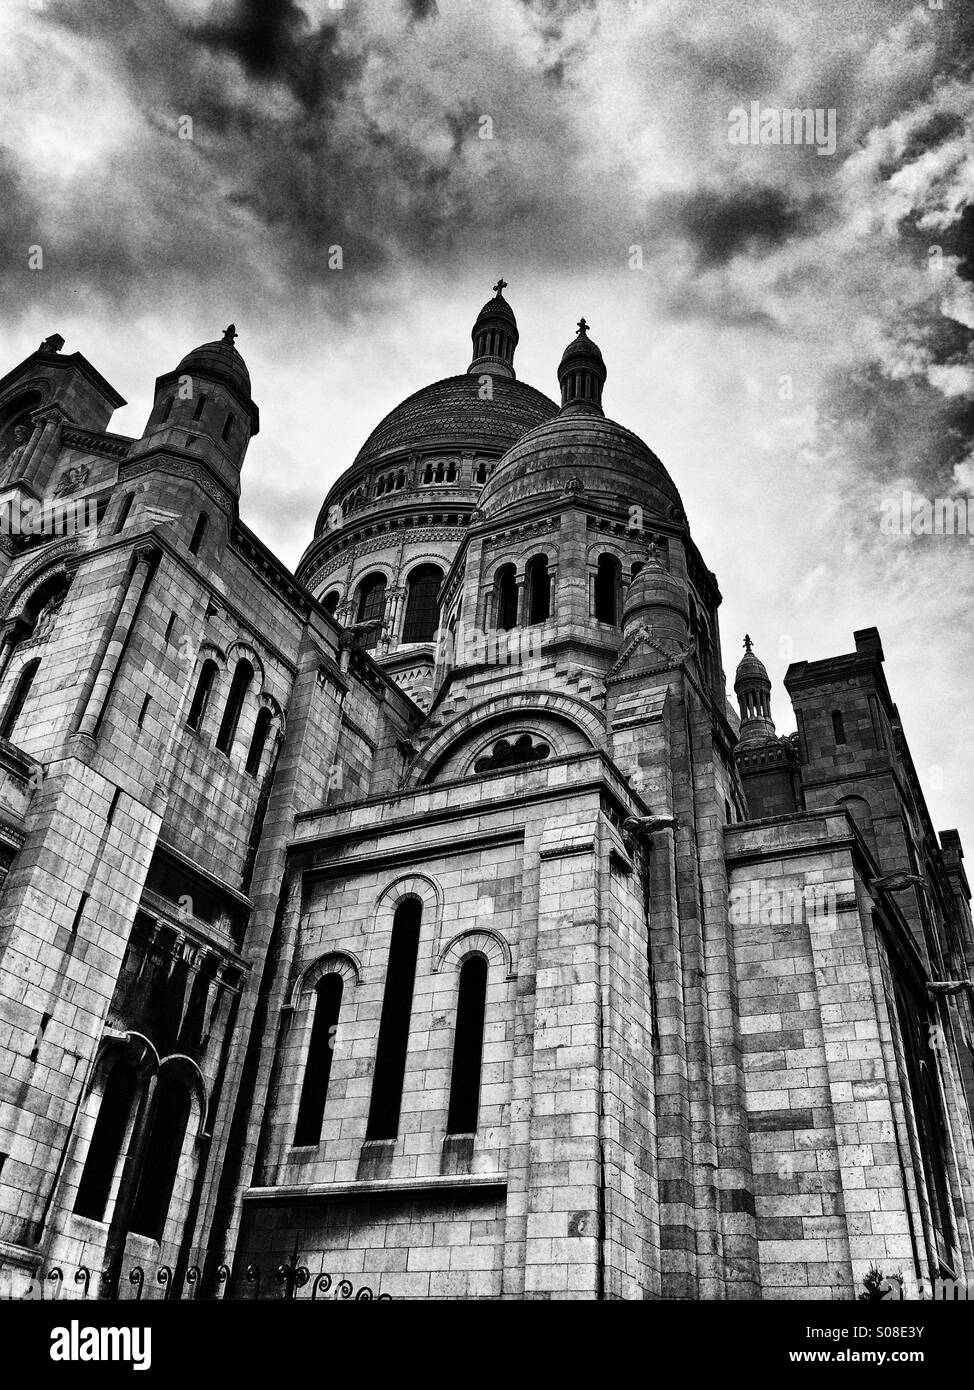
(753, 689)
(495, 336)
(581, 374)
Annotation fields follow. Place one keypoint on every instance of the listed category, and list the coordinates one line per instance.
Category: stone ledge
(379, 1187)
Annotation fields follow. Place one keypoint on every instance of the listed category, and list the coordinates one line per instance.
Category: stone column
(116, 642)
(522, 600)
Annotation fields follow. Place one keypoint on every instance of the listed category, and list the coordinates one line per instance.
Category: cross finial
(748, 644)
(229, 333)
(501, 285)
(582, 325)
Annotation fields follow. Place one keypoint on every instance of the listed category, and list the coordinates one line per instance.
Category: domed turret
(494, 337)
(204, 406)
(753, 689)
(219, 360)
(581, 374)
(657, 601)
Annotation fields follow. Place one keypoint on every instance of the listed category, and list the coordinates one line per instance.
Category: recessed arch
(485, 940)
(342, 963)
(520, 705)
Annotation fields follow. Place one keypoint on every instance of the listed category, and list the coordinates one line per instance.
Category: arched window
(422, 612)
(170, 1116)
(397, 1003)
(107, 1138)
(480, 474)
(636, 568)
(331, 601)
(201, 697)
(239, 686)
(506, 754)
(539, 589)
(18, 699)
(838, 726)
(607, 589)
(262, 726)
(371, 605)
(314, 1091)
(468, 1047)
(505, 598)
(199, 531)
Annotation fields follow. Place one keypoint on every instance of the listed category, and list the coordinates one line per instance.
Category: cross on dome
(582, 325)
(229, 333)
(501, 285)
(748, 644)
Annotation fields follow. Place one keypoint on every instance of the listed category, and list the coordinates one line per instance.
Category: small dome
(751, 669)
(219, 359)
(611, 461)
(497, 308)
(655, 587)
(582, 347)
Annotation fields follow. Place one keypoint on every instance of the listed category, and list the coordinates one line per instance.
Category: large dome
(453, 412)
(604, 456)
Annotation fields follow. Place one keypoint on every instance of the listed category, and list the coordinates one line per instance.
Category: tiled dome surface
(453, 411)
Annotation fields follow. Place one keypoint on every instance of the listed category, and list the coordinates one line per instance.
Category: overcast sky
(796, 345)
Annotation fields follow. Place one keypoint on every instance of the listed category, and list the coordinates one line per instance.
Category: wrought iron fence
(248, 1280)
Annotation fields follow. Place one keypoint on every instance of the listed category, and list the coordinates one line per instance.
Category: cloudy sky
(792, 336)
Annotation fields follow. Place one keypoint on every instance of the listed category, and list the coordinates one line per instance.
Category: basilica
(430, 917)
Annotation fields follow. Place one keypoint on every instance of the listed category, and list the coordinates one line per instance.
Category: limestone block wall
(566, 1121)
(822, 1089)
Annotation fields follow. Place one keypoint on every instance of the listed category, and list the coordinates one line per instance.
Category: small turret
(656, 601)
(204, 407)
(494, 337)
(753, 689)
(581, 374)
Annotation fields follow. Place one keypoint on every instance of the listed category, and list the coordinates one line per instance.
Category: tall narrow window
(397, 1003)
(166, 409)
(262, 726)
(158, 1178)
(468, 1047)
(199, 531)
(201, 697)
(606, 590)
(18, 699)
(123, 512)
(227, 426)
(239, 686)
(838, 726)
(314, 1091)
(107, 1138)
(371, 604)
(331, 601)
(505, 598)
(422, 613)
(539, 589)
(200, 406)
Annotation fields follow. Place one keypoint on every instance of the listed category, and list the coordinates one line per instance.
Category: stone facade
(430, 917)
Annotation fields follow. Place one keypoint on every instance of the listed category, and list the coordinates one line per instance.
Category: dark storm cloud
(723, 224)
